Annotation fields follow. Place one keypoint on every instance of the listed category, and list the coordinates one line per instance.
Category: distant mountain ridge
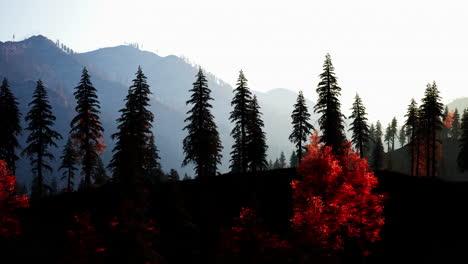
(112, 70)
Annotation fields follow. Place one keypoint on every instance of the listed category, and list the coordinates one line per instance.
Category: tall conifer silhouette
(359, 126)
(328, 106)
(256, 139)
(129, 165)
(378, 152)
(86, 129)
(239, 116)
(412, 128)
(455, 130)
(462, 158)
(301, 126)
(393, 132)
(402, 136)
(431, 112)
(134, 149)
(202, 145)
(11, 128)
(41, 136)
(68, 164)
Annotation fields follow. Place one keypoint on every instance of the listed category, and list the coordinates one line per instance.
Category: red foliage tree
(9, 224)
(334, 202)
(448, 120)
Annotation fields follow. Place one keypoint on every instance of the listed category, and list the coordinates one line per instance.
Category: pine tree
(445, 117)
(462, 158)
(41, 136)
(431, 117)
(388, 137)
(69, 161)
(378, 152)
(276, 164)
(129, 164)
(11, 128)
(393, 132)
(402, 136)
(152, 168)
(282, 160)
(293, 160)
(359, 126)
(412, 128)
(202, 145)
(270, 165)
(86, 129)
(100, 174)
(133, 151)
(301, 126)
(328, 106)
(173, 176)
(455, 131)
(256, 139)
(371, 142)
(239, 116)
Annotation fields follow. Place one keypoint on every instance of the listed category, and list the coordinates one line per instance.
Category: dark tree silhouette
(293, 160)
(100, 175)
(69, 161)
(133, 151)
(455, 130)
(378, 152)
(173, 176)
(446, 119)
(402, 136)
(371, 143)
(431, 112)
(276, 164)
(282, 160)
(11, 128)
(393, 132)
(256, 139)
(153, 170)
(301, 126)
(462, 158)
(129, 163)
(328, 106)
(86, 129)
(388, 137)
(359, 126)
(239, 116)
(412, 128)
(41, 136)
(202, 145)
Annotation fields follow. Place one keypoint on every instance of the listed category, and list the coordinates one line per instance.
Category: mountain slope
(112, 70)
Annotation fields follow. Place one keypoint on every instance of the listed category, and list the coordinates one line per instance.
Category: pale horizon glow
(385, 51)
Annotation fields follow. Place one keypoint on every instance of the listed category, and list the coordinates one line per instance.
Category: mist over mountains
(112, 70)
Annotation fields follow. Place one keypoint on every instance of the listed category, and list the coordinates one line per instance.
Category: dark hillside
(425, 218)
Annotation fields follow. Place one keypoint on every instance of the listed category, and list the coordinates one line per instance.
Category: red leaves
(448, 120)
(334, 202)
(9, 224)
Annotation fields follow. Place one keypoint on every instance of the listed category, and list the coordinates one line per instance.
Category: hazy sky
(387, 51)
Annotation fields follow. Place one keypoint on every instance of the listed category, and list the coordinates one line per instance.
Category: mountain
(460, 104)
(112, 70)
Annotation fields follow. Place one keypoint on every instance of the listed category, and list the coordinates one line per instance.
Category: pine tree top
(9, 107)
